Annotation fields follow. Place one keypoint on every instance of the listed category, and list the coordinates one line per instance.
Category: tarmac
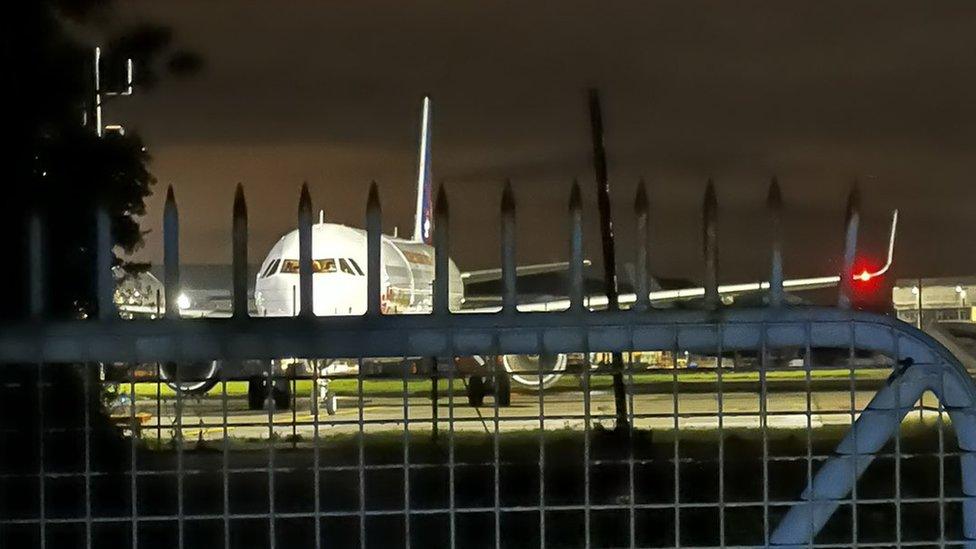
(212, 418)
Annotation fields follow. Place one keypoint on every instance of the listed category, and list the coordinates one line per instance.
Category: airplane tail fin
(423, 220)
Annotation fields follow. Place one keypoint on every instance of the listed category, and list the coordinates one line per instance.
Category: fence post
(643, 238)
(774, 203)
(306, 290)
(710, 246)
(374, 233)
(171, 255)
(239, 261)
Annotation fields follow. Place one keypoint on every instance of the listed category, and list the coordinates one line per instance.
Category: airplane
(339, 281)
(339, 261)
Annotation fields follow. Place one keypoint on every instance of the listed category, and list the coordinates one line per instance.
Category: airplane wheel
(476, 391)
(503, 388)
(255, 393)
(281, 392)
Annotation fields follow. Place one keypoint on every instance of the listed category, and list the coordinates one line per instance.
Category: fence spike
(710, 245)
(171, 255)
(774, 203)
(575, 248)
(36, 266)
(374, 232)
(641, 212)
(305, 291)
(851, 221)
(103, 263)
(510, 293)
(441, 253)
(239, 253)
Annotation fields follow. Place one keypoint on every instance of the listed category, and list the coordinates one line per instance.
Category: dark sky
(817, 93)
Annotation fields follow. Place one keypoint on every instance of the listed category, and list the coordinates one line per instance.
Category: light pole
(99, 95)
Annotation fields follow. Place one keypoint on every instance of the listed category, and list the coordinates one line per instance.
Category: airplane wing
(153, 311)
(138, 310)
(485, 275)
(657, 297)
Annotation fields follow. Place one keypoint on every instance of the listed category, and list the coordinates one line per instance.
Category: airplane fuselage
(339, 263)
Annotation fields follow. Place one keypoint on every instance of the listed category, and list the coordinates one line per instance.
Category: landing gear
(331, 402)
(500, 386)
(255, 393)
(323, 397)
(281, 394)
(503, 386)
(261, 394)
(476, 391)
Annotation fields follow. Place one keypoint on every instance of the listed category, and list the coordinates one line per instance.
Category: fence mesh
(340, 452)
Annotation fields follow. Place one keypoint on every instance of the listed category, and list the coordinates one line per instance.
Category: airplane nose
(339, 297)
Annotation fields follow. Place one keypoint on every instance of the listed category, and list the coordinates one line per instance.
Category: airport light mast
(99, 95)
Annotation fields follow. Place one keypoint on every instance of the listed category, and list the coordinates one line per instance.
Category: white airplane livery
(339, 275)
(339, 263)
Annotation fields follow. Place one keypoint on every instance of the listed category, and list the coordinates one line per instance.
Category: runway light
(183, 301)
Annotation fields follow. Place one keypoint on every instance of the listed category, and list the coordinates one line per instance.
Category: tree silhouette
(61, 168)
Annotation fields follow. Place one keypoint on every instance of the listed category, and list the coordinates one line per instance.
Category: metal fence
(800, 426)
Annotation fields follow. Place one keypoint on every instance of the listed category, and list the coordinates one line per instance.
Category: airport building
(938, 299)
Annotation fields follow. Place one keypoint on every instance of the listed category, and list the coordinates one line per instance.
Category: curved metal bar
(879, 421)
(921, 362)
(425, 335)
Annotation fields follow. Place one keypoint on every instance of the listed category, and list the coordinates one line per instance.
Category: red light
(864, 276)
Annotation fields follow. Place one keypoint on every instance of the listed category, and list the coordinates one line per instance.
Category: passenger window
(344, 266)
(356, 266)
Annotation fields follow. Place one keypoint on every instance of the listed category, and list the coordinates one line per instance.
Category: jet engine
(525, 369)
(190, 378)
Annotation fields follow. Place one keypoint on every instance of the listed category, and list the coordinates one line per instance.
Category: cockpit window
(356, 266)
(345, 267)
(318, 266)
(271, 268)
(323, 265)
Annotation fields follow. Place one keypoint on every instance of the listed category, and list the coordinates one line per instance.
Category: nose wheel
(262, 395)
(324, 398)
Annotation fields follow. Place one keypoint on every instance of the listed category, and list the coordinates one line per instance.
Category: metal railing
(764, 465)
